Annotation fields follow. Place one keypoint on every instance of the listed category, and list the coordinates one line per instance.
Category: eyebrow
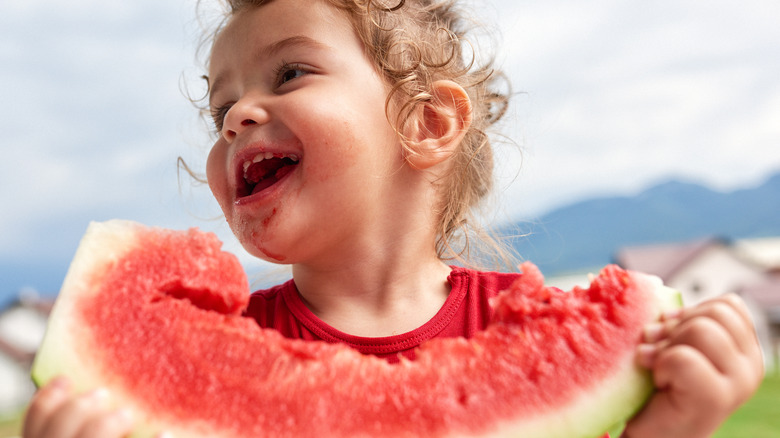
(272, 50)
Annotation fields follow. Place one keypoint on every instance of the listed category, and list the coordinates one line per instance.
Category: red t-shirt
(465, 312)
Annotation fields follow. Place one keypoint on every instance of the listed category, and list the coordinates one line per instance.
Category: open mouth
(264, 170)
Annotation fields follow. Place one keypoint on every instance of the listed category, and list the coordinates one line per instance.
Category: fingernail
(653, 332)
(671, 314)
(99, 395)
(125, 416)
(646, 354)
(60, 383)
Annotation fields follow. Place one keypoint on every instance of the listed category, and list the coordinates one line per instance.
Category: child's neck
(376, 299)
(385, 278)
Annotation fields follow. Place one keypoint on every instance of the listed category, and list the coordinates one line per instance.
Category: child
(351, 145)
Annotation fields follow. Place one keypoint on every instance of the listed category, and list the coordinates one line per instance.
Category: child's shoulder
(272, 293)
(490, 282)
(264, 304)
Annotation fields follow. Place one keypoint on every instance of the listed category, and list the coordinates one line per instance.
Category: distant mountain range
(587, 234)
(580, 236)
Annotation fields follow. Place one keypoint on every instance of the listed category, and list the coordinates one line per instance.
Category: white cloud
(620, 95)
(92, 115)
(614, 95)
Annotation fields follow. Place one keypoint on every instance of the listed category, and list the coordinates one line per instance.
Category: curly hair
(414, 43)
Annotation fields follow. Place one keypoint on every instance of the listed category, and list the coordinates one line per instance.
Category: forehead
(256, 28)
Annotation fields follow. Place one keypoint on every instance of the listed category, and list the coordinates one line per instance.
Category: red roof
(663, 260)
(767, 293)
(23, 357)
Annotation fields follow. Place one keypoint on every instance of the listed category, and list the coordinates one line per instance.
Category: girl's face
(306, 160)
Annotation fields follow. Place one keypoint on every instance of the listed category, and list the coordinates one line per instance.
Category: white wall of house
(17, 387)
(715, 272)
(763, 328)
(567, 282)
(22, 328)
(764, 252)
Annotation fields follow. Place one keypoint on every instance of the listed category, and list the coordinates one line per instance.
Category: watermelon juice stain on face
(290, 81)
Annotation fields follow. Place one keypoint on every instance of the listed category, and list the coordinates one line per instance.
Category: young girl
(351, 145)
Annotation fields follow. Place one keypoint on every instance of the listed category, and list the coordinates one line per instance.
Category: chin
(263, 251)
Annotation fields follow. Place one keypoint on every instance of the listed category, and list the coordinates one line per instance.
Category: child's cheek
(336, 154)
(216, 175)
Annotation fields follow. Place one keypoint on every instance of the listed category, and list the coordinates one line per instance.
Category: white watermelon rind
(105, 242)
(64, 350)
(64, 346)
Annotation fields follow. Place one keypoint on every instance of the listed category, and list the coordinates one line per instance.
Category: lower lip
(267, 193)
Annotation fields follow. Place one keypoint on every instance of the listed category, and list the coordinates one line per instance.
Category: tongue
(265, 173)
(262, 169)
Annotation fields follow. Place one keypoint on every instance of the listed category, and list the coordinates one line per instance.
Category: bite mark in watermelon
(156, 316)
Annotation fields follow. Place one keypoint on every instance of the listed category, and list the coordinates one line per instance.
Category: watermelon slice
(156, 316)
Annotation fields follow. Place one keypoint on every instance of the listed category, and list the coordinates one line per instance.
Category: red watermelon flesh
(155, 316)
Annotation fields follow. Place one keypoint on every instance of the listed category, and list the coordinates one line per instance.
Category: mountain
(44, 276)
(580, 236)
(587, 234)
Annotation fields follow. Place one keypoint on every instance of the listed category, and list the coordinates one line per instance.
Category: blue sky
(611, 97)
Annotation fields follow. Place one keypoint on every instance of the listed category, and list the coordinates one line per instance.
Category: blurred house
(708, 268)
(22, 325)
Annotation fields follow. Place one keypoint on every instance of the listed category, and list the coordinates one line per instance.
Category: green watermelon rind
(107, 242)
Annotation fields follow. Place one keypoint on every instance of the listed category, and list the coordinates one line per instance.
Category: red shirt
(465, 312)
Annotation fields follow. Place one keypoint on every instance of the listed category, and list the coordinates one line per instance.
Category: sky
(609, 97)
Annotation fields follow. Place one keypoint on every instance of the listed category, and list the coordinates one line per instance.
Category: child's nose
(241, 116)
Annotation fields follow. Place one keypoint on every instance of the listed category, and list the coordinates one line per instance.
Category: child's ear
(440, 125)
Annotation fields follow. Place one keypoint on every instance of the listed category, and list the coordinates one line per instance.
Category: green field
(759, 418)
(10, 426)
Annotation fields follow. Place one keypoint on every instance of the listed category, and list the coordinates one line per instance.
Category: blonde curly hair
(414, 43)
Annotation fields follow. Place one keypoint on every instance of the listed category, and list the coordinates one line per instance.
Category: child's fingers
(729, 310)
(103, 425)
(680, 372)
(746, 365)
(721, 329)
(738, 304)
(702, 333)
(731, 313)
(45, 402)
(712, 340)
(74, 414)
(684, 370)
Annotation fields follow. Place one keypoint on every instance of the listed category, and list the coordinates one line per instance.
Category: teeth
(266, 156)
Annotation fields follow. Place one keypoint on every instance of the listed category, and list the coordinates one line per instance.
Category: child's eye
(287, 72)
(218, 115)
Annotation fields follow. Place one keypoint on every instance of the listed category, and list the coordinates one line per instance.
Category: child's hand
(706, 362)
(55, 412)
